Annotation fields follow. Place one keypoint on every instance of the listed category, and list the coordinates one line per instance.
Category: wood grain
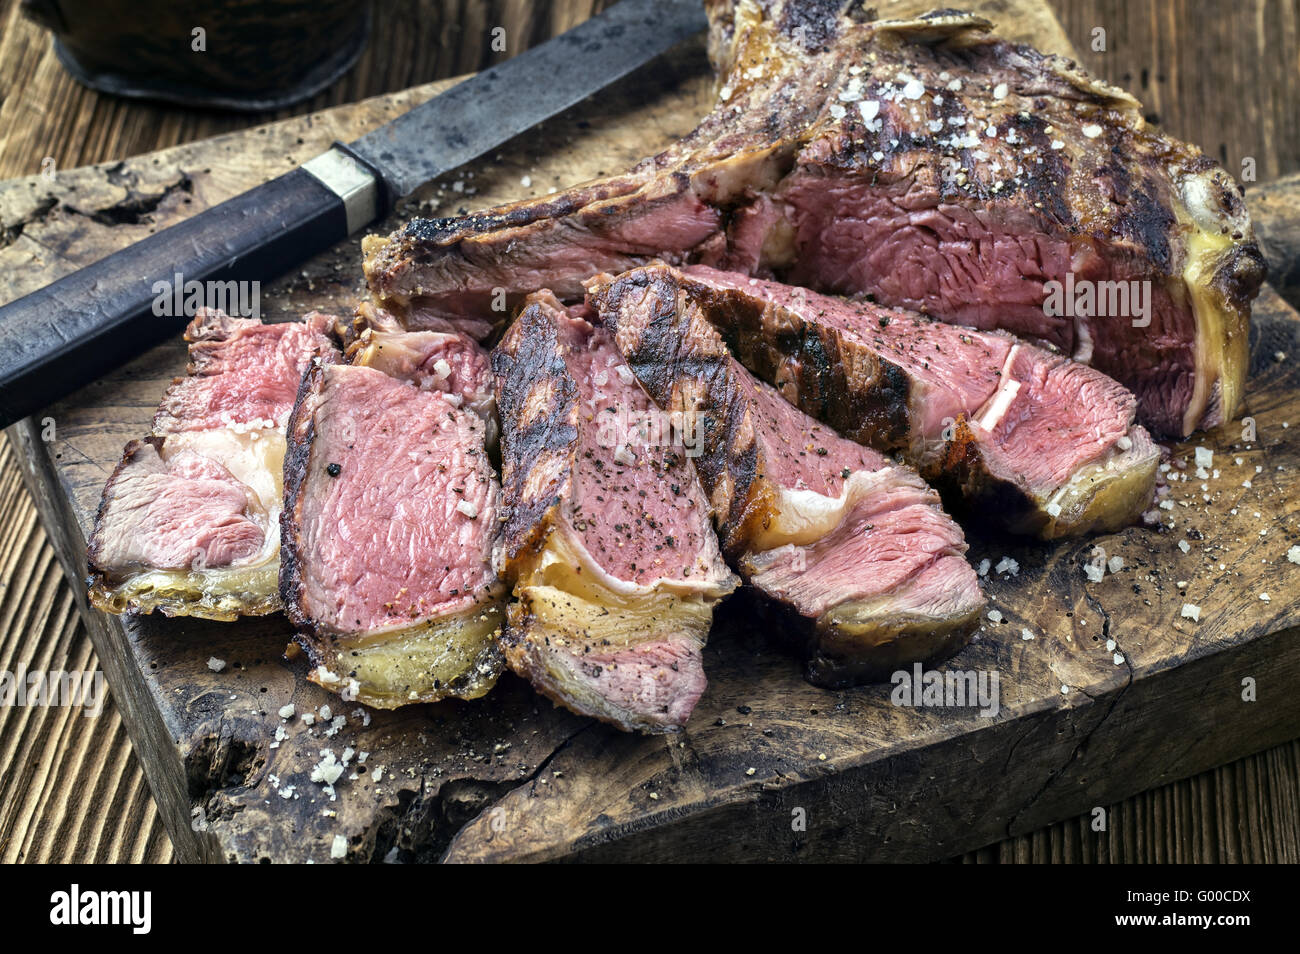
(1241, 812)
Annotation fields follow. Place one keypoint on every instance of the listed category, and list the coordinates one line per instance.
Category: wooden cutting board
(769, 767)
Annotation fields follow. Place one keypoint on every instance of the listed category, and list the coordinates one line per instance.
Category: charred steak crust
(859, 393)
(921, 162)
(298, 433)
(805, 515)
(539, 400)
(608, 543)
(659, 357)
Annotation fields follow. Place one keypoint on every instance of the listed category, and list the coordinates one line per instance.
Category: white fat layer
(805, 516)
(255, 459)
(1083, 341)
(566, 552)
(988, 417)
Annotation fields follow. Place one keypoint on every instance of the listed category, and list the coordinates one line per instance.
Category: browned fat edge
(895, 642)
(528, 360)
(521, 656)
(835, 658)
(669, 345)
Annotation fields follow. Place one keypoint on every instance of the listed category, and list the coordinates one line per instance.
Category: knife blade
(75, 329)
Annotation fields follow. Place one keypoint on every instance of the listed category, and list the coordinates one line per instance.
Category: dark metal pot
(251, 54)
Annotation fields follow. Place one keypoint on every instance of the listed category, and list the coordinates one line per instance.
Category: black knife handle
(69, 333)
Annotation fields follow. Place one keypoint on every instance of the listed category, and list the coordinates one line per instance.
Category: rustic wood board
(513, 778)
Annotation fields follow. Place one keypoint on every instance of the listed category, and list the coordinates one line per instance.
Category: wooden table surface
(1216, 73)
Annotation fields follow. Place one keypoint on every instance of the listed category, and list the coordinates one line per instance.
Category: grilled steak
(922, 162)
(855, 545)
(390, 524)
(189, 520)
(1028, 439)
(608, 540)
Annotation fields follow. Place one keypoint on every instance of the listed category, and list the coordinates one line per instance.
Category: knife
(72, 331)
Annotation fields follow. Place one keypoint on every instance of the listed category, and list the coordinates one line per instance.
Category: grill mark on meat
(615, 567)
(543, 418)
(1102, 465)
(856, 547)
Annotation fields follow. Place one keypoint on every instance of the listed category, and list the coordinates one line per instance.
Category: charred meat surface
(1022, 438)
(189, 520)
(608, 541)
(924, 163)
(855, 545)
(390, 526)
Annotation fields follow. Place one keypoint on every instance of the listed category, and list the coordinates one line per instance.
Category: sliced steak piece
(608, 540)
(853, 544)
(189, 520)
(390, 527)
(921, 162)
(1023, 438)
